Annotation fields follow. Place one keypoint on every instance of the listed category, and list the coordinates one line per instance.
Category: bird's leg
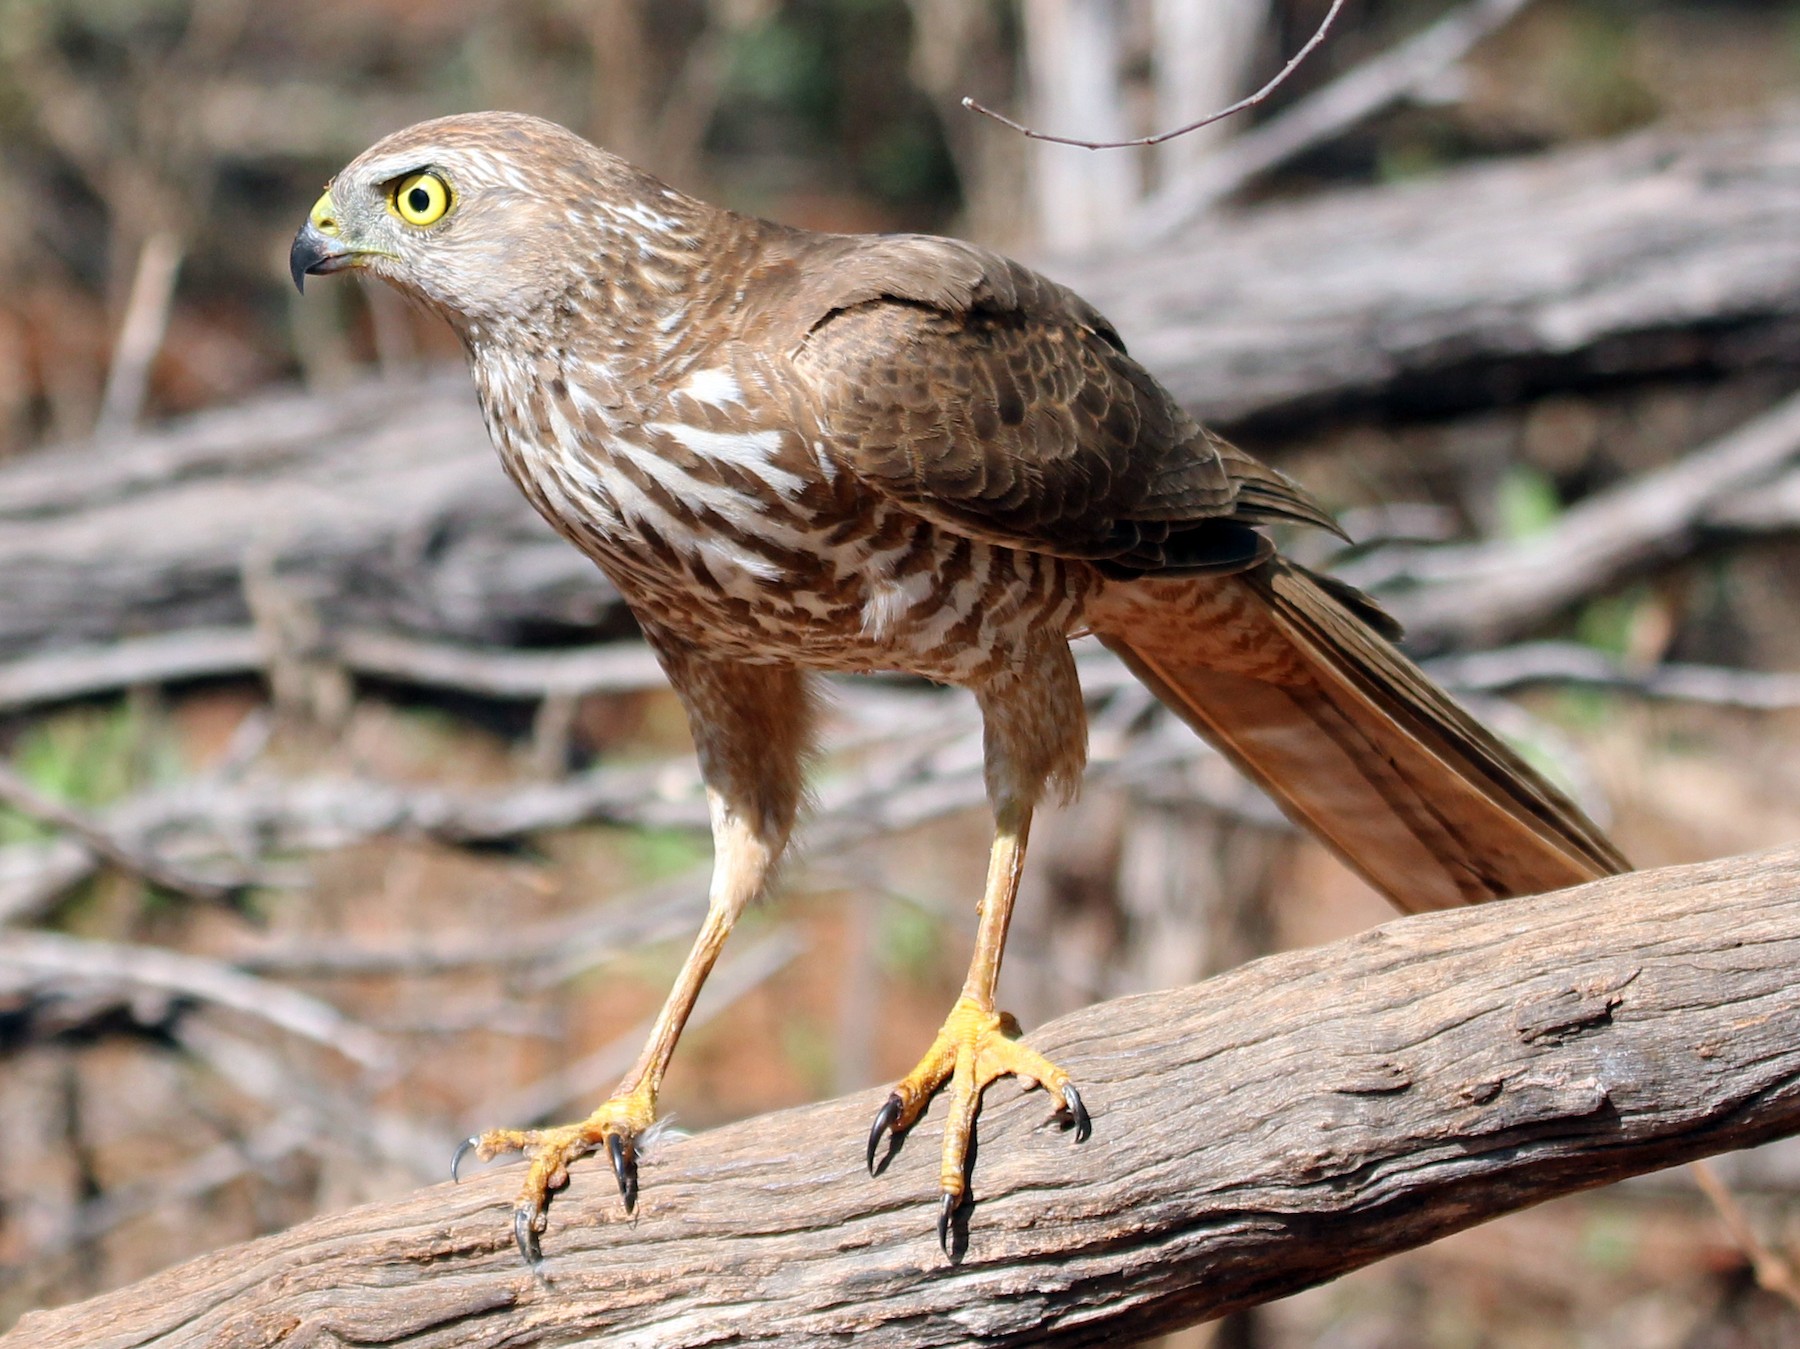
(749, 727)
(978, 1042)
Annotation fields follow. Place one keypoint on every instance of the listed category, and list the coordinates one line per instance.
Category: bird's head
(482, 216)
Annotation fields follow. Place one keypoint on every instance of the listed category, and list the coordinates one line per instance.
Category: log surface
(1254, 1135)
(1659, 254)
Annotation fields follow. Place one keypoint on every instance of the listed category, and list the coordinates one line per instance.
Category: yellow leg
(741, 866)
(977, 1043)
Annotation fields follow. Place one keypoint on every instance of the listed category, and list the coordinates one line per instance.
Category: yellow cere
(421, 199)
(324, 214)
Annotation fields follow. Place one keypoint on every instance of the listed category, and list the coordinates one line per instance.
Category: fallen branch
(903, 778)
(1571, 664)
(214, 653)
(1635, 259)
(1260, 1133)
(1493, 591)
(48, 957)
(108, 847)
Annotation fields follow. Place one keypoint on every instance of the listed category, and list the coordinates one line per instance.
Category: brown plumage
(795, 452)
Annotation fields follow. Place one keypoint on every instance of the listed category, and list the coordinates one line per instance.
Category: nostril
(324, 215)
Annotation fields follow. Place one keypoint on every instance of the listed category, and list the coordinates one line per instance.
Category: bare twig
(165, 657)
(558, 949)
(1491, 591)
(52, 956)
(1513, 667)
(208, 653)
(618, 667)
(111, 847)
(1774, 1272)
(1240, 106)
(1353, 97)
(738, 976)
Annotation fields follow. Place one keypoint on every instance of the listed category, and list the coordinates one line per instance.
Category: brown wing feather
(997, 402)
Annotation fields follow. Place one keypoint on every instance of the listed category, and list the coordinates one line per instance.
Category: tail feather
(1284, 676)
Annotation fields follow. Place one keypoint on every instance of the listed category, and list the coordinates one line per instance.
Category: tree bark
(1254, 1135)
(383, 506)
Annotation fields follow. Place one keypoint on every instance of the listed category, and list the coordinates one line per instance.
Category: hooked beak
(318, 247)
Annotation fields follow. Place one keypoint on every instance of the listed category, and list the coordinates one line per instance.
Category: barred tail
(1289, 675)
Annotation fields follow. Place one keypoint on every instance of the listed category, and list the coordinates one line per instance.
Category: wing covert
(991, 399)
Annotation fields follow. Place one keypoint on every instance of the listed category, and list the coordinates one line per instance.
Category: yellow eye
(421, 199)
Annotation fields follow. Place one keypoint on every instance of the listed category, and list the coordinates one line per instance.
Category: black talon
(525, 1233)
(1077, 1112)
(946, 1209)
(624, 1165)
(462, 1150)
(884, 1120)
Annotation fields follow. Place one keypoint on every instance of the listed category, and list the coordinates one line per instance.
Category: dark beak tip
(300, 257)
(312, 254)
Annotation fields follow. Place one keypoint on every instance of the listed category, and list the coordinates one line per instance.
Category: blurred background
(340, 814)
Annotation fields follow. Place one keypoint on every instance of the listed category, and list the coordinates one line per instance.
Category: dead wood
(904, 777)
(381, 506)
(1254, 1135)
(1500, 589)
(1657, 254)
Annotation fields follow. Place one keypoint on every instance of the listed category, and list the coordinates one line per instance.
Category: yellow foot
(616, 1126)
(975, 1046)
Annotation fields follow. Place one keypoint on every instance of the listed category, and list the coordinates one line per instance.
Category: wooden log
(383, 504)
(1656, 254)
(1254, 1135)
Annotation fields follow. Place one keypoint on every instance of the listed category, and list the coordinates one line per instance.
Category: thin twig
(560, 947)
(1569, 663)
(739, 975)
(1493, 590)
(1351, 98)
(107, 845)
(53, 956)
(345, 1122)
(1774, 1272)
(1241, 105)
(210, 653)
